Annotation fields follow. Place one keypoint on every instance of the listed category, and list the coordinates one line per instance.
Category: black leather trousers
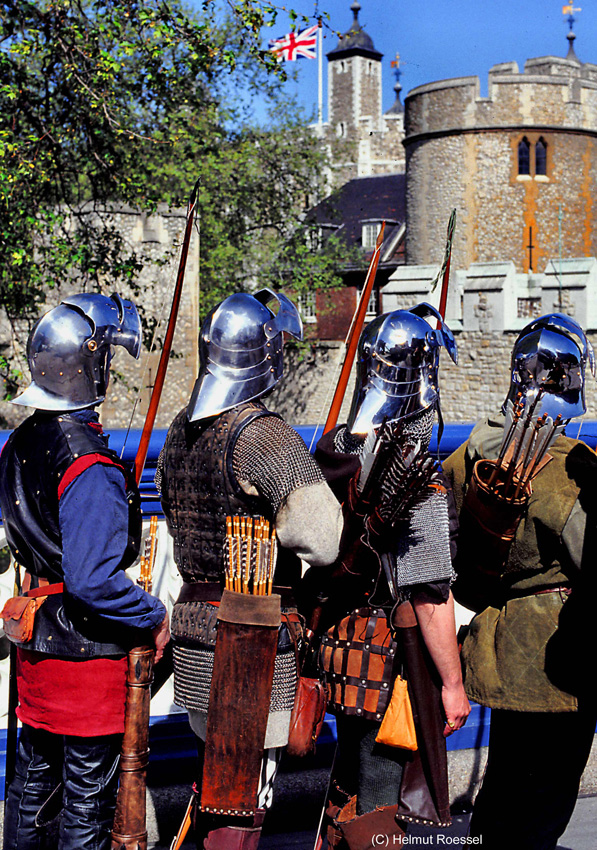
(54, 772)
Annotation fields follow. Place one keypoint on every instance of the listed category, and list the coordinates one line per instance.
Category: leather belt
(200, 591)
(564, 588)
(211, 591)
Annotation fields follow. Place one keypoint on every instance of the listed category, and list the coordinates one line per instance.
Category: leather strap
(46, 590)
(211, 591)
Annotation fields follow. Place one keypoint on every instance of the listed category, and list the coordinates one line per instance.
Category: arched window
(540, 157)
(524, 157)
(340, 129)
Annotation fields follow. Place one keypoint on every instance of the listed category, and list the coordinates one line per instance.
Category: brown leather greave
(236, 837)
(362, 832)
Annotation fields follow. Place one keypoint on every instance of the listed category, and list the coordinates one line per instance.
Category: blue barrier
(454, 435)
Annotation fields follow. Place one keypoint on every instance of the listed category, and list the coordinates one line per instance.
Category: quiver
(239, 702)
(489, 517)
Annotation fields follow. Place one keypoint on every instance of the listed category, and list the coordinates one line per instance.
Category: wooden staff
(180, 836)
(352, 340)
(130, 830)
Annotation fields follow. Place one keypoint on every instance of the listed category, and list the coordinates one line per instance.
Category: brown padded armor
(358, 655)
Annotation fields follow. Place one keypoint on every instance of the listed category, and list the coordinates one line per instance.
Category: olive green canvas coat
(524, 648)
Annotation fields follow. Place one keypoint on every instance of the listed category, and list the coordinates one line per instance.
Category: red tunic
(83, 698)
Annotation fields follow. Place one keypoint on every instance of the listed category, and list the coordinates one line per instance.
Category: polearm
(154, 402)
(354, 333)
(130, 827)
(443, 301)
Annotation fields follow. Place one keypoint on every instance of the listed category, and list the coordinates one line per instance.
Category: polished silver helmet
(397, 367)
(240, 351)
(550, 355)
(70, 348)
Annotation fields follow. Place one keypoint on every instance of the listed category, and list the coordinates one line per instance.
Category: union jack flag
(296, 45)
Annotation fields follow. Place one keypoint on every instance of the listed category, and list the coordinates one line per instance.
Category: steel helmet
(397, 367)
(240, 351)
(70, 348)
(550, 354)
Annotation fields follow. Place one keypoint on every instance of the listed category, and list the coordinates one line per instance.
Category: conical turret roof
(355, 41)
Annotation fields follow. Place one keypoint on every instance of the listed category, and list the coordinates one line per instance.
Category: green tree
(129, 101)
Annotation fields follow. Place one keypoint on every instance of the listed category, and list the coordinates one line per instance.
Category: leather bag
(18, 615)
(308, 713)
(19, 612)
(398, 725)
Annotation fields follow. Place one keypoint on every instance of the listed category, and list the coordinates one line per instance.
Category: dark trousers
(371, 771)
(88, 771)
(533, 773)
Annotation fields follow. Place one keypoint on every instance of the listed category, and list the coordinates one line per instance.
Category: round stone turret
(517, 165)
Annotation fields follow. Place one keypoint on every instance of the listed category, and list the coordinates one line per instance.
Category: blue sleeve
(94, 527)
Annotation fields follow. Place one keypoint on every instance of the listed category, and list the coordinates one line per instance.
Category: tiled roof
(355, 40)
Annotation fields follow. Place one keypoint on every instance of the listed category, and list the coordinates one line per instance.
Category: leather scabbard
(424, 796)
(239, 702)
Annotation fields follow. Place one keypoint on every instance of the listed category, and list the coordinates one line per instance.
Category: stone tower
(362, 139)
(519, 166)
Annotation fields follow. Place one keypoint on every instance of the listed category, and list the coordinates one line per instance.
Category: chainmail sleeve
(271, 460)
(271, 457)
(423, 549)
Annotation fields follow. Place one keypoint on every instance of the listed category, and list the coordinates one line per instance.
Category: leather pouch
(307, 716)
(398, 725)
(18, 615)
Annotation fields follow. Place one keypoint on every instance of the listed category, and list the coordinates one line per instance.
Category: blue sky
(437, 39)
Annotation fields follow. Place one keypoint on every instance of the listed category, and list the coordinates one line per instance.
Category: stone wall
(488, 305)
(462, 152)
(156, 238)
(475, 388)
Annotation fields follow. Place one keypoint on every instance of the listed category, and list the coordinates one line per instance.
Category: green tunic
(522, 650)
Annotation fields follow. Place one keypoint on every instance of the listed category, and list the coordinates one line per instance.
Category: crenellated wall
(462, 152)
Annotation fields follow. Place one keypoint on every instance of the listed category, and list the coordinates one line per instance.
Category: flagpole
(320, 78)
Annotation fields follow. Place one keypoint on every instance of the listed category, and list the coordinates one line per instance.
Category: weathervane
(570, 10)
(396, 64)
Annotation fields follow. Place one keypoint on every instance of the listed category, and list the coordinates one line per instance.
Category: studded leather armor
(199, 488)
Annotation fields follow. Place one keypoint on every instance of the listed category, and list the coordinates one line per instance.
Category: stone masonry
(157, 239)
(462, 151)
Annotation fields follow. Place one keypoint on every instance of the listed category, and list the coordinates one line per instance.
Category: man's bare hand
(456, 707)
(161, 636)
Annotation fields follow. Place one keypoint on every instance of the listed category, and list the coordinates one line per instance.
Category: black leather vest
(199, 489)
(32, 464)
